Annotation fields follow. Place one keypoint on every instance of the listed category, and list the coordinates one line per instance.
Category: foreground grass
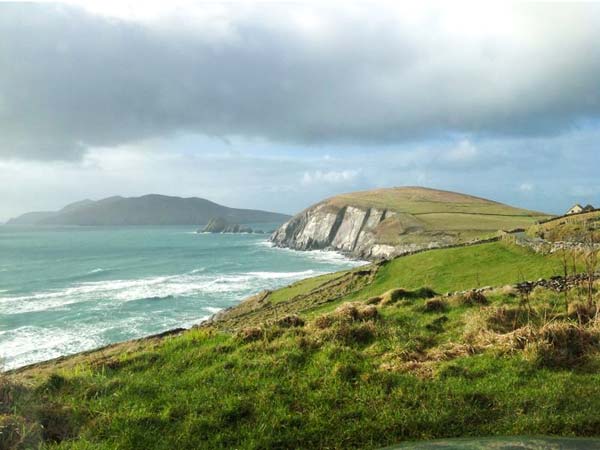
(406, 367)
(361, 383)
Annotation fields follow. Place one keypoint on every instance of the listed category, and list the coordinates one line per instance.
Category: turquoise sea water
(64, 290)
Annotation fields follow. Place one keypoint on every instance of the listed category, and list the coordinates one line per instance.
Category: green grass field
(460, 268)
(351, 377)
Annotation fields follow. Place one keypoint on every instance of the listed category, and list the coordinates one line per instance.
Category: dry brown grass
(508, 291)
(505, 319)
(503, 343)
(554, 343)
(355, 311)
(562, 345)
(351, 323)
(581, 311)
(425, 364)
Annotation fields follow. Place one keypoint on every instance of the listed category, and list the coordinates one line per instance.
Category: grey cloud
(71, 80)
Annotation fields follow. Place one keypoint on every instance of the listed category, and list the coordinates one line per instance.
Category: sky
(276, 105)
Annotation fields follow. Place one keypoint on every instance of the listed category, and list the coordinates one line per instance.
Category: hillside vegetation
(358, 359)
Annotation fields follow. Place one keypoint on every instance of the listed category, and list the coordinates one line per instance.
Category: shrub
(354, 334)
(424, 292)
(351, 312)
(324, 321)
(374, 300)
(435, 305)
(392, 296)
(250, 334)
(54, 382)
(290, 321)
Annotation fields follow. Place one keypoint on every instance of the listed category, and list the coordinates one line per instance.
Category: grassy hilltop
(358, 359)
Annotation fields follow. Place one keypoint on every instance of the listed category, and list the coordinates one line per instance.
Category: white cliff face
(316, 230)
(311, 229)
(349, 229)
(367, 239)
(352, 224)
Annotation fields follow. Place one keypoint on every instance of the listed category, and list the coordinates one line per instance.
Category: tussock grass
(435, 305)
(562, 345)
(469, 298)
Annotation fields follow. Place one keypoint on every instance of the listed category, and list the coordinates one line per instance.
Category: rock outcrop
(349, 229)
(220, 225)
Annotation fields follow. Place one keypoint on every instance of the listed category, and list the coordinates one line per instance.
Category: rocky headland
(385, 223)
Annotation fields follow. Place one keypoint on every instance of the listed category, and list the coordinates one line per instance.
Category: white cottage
(575, 209)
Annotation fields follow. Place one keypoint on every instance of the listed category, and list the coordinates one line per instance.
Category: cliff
(396, 221)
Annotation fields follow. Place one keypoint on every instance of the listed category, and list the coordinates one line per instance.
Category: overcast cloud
(463, 96)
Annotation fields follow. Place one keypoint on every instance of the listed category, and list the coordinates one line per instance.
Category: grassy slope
(462, 268)
(349, 386)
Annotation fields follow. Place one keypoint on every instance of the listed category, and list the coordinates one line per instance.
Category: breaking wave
(163, 287)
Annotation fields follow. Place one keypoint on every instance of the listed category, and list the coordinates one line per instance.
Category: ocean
(69, 289)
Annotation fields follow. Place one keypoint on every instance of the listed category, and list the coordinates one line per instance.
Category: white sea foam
(162, 287)
(29, 344)
(94, 311)
(327, 256)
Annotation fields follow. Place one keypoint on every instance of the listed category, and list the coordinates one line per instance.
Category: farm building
(577, 208)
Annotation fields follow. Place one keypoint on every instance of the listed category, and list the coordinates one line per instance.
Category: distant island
(150, 209)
